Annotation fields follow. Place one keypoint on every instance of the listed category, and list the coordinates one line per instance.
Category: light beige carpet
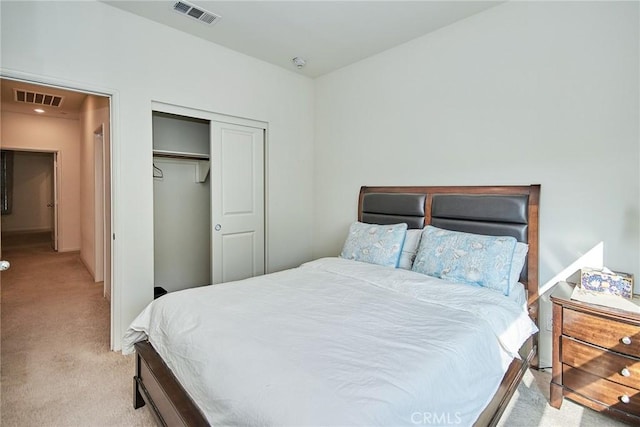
(57, 369)
(530, 407)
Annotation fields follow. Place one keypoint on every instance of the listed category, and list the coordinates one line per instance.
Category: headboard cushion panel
(385, 208)
(403, 204)
(411, 221)
(499, 208)
(519, 231)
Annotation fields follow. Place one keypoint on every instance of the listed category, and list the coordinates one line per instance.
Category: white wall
(32, 191)
(527, 92)
(41, 133)
(93, 44)
(523, 93)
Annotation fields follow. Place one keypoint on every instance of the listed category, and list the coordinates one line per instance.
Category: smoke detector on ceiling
(196, 12)
(299, 62)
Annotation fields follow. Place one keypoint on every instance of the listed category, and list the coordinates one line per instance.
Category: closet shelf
(180, 155)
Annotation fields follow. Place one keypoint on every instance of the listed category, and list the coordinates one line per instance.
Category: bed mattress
(336, 342)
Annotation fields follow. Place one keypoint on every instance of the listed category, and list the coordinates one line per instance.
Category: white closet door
(237, 201)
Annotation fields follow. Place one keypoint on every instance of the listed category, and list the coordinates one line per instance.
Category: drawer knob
(625, 399)
(625, 372)
(626, 340)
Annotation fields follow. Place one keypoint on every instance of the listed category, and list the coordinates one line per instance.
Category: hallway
(56, 365)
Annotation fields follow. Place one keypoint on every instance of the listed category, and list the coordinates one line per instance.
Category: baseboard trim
(69, 250)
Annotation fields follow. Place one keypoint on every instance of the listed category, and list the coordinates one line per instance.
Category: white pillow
(410, 248)
(518, 293)
(517, 262)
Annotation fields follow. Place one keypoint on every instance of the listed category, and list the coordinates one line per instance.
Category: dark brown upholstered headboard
(490, 210)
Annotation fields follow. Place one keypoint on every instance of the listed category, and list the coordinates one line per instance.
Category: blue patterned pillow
(375, 244)
(466, 258)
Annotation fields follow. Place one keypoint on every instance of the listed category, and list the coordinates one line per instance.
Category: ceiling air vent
(37, 98)
(195, 12)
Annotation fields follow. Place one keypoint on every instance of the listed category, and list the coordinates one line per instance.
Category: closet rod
(180, 155)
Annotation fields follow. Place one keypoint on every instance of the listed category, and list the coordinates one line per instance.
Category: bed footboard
(155, 385)
(492, 413)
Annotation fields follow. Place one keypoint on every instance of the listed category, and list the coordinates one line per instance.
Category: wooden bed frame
(156, 386)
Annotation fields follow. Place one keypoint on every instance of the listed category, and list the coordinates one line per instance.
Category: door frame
(169, 108)
(56, 200)
(113, 95)
(99, 225)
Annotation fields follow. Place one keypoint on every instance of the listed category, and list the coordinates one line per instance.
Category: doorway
(73, 128)
(29, 193)
(181, 202)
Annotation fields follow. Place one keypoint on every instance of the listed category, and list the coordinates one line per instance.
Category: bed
(339, 341)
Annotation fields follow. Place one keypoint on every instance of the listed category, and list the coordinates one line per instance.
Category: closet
(181, 202)
(208, 191)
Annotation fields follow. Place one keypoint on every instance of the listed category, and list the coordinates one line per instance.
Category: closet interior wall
(181, 202)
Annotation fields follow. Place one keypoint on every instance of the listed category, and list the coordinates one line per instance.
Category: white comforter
(336, 342)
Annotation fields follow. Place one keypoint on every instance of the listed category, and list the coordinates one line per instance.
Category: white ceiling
(327, 34)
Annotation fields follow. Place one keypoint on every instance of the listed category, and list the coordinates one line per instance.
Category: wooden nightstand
(596, 356)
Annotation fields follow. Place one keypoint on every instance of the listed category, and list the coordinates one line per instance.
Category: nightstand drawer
(621, 369)
(603, 332)
(601, 390)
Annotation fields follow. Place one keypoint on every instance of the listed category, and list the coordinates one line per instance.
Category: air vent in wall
(38, 98)
(195, 12)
